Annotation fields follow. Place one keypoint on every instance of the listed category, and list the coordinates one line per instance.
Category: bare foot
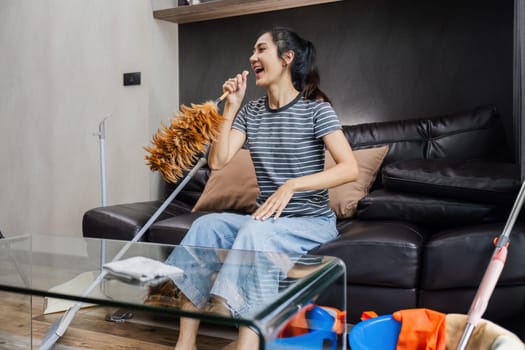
(188, 329)
(247, 340)
(181, 348)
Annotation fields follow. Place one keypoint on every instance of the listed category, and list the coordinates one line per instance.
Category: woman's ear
(288, 57)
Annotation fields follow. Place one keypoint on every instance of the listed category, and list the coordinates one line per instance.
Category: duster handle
(223, 96)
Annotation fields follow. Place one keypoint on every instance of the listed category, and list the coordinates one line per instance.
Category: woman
(286, 132)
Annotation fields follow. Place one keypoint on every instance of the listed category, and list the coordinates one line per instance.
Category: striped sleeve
(240, 119)
(325, 120)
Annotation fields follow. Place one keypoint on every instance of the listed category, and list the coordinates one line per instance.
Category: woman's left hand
(276, 203)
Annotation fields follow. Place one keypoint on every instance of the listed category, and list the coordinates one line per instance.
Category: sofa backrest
(473, 134)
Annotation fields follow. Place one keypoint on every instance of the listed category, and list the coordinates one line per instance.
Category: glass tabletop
(272, 286)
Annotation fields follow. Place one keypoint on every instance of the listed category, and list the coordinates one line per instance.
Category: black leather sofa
(423, 235)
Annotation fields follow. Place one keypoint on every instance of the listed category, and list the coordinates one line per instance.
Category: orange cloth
(339, 318)
(366, 315)
(421, 329)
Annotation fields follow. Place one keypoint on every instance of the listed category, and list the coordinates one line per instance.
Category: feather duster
(176, 147)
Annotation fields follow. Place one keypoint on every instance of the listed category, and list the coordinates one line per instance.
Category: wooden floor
(90, 330)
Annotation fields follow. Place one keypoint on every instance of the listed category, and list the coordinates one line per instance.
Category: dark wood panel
(379, 60)
(228, 8)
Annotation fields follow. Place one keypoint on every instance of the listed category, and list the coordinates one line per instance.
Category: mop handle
(481, 300)
(202, 161)
(63, 323)
(491, 276)
(488, 283)
(516, 208)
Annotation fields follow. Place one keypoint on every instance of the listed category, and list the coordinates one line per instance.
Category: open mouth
(258, 70)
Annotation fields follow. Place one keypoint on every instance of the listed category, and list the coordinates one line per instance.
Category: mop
(80, 282)
(492, 273)
(175, 149)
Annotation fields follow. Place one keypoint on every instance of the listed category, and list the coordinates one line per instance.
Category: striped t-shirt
(287, 143)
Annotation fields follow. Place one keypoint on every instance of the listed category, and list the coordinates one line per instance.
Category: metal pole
(492, 273)
(101, 137)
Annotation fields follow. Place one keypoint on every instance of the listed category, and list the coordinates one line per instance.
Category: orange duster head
(176, 147)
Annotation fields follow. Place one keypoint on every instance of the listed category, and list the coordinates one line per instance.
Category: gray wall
(61, 68)
(379, 59)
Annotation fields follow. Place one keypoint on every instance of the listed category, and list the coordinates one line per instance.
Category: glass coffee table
(60, 268)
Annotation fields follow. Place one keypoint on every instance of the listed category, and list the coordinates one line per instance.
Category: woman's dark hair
(305, 75)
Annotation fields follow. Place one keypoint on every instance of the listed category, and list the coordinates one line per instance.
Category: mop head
(177, 147)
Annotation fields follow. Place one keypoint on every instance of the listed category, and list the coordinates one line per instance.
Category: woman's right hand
(236, 87)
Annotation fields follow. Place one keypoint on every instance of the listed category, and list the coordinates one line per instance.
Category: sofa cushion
(473, 134)
(470, 134)
(234, 187)
(172, 230)
(425, 210)
(458, 257)
(407, 139)
(505, 304)
(344, 198)
(378, 253)
(473, 180)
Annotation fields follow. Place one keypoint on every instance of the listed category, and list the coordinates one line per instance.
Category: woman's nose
(253, 57)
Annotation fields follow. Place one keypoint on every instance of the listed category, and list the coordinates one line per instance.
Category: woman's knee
(252, 235)
(200, 231)
(213, 230)
(206, 220)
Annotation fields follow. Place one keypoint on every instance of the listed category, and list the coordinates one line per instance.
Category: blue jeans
(246, 280)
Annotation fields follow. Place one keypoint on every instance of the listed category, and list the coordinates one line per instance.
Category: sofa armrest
(124, 221)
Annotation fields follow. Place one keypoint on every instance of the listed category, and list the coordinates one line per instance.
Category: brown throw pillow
(234, 187)
(344, 198)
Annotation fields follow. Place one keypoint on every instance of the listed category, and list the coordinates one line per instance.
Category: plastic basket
(315, 340)
(378, 333)
(316, 326)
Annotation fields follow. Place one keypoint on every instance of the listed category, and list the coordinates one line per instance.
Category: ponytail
(305, 74)
(311, 89)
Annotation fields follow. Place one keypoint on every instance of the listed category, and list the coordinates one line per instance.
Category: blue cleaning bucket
(378, 333)
(320, 335)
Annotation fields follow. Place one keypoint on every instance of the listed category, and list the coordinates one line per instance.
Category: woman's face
(266, 64)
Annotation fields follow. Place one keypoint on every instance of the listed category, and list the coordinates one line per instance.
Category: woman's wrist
(230, 110)
(291, 184)
(232, 105)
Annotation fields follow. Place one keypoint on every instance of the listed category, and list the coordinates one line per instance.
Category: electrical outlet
(132, 78)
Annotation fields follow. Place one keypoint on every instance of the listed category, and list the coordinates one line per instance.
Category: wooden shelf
(228, 8)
